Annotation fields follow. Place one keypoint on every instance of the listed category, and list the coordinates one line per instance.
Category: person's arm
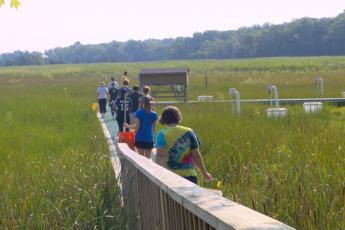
(97, 93)
(154, 126)
(160, 148)
(108, 95)
(199, 163)
(160, 152)
(135, 126)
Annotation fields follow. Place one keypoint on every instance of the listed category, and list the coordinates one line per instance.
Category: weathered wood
(163, 209)
(115, 161)
(165, 77)
(216, 211)
(185, 215)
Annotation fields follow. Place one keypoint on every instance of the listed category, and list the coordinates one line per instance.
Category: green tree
(13, 4)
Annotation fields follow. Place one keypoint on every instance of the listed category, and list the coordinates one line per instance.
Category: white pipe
(231, 91)
(238, 98)
(235, 95)
(275, 90)
(319, 85)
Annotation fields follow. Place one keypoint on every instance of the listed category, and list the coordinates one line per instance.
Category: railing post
(130, 194)
(155, 198)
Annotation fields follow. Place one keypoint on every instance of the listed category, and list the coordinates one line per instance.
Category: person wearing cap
(102, 95)
(123, 107)
(178, 147)
(145, 126)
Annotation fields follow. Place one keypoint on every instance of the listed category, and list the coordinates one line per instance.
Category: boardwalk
(155, 198)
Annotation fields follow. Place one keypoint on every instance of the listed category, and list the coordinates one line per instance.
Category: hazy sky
(43, 24)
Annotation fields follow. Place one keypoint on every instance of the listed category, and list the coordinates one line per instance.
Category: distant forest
(301, 37)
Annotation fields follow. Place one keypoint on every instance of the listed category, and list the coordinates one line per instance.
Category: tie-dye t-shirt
(178, 141)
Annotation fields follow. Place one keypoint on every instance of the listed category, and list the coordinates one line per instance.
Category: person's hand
(125, 125)
(207, 176)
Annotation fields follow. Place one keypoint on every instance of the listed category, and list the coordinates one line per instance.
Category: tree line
(301, 37)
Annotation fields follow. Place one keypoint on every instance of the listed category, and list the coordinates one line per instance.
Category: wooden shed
(168, 82)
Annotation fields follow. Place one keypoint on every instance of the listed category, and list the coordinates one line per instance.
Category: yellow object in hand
(218, 184)
(94, 107)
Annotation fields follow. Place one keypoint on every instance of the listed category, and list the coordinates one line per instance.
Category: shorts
(144, 145)
(192, 179)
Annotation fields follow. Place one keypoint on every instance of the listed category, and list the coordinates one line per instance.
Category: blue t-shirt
(145, 132)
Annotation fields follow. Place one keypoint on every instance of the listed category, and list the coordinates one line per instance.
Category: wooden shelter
(175, 78)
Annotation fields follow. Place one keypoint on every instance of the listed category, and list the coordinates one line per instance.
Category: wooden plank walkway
(156, 198)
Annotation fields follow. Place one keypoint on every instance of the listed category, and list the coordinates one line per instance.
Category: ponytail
(147, 107)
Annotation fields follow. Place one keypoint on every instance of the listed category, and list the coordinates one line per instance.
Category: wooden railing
(155, 198)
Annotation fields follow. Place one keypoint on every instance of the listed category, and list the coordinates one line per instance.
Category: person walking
(135, 100)
(113, 84)
(145, 126)
(102, 95)
(146, 92)
(123, 107)
(178, 147)
(113, 94)
(125, 86)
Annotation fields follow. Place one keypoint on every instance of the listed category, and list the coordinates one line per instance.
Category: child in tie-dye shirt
(178, 147)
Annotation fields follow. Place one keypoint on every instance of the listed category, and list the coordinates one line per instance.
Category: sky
(39, 25)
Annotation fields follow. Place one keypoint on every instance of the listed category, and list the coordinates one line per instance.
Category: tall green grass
(291, 169)
(54, 164)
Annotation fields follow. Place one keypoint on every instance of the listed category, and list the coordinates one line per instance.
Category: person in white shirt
(102, 96)
(113, 84)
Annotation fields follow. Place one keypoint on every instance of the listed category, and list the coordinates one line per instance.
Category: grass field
(290, 169)
(54, 165)
(54, 158)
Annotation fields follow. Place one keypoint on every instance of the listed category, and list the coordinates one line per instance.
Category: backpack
(113, 92)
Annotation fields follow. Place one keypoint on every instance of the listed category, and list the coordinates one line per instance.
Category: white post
(238, 98)
(319, 85)
(235, 95)
(275, 91)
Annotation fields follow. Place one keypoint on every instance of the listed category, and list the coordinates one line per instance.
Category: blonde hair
(125, 81)
(146, 89)
(147, 102)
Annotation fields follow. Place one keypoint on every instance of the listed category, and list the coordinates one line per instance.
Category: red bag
(128, 138)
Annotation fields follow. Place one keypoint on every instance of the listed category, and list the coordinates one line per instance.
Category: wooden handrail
(156, 198)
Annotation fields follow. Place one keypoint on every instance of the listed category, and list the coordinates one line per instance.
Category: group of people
(177, 147)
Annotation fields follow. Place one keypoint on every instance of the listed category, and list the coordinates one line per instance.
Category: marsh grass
(290, 169)
(54, 166)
